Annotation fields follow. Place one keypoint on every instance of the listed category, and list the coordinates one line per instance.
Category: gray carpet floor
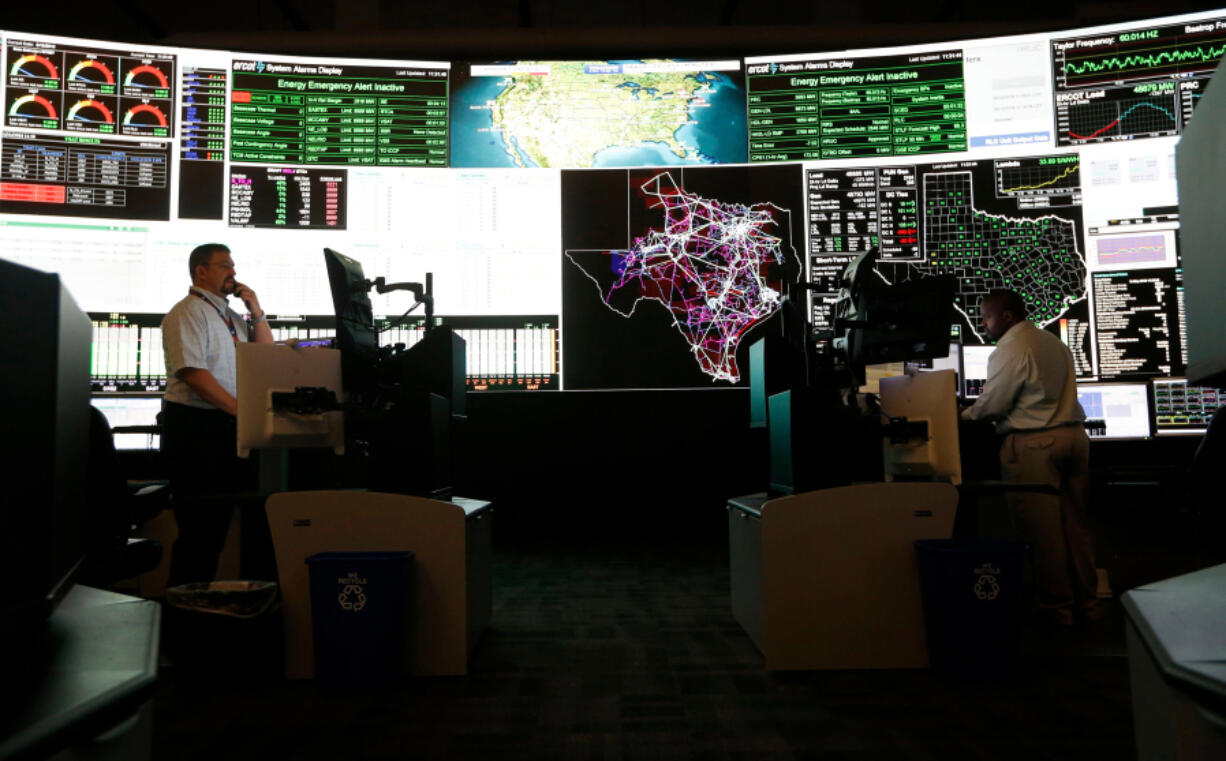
(635, 655)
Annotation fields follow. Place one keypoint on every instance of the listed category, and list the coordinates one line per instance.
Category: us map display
(577, 114)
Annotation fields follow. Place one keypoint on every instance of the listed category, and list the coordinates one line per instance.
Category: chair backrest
(111, 513)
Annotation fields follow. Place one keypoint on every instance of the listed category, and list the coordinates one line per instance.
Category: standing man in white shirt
(1031, 397)
(199, 428)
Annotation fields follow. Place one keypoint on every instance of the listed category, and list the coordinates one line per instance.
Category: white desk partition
(828, 579)
(450, 542)
(267, 368)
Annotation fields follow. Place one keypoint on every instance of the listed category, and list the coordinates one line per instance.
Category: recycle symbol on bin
(352, 598)
(986, 587)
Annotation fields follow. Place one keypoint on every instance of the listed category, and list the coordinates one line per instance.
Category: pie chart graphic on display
(145, 115)
(91, 111)
(36, 66)
(146, 76)
(92, 72)
(33, 106)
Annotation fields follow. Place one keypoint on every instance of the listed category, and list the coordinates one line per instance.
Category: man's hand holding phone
(249, 298)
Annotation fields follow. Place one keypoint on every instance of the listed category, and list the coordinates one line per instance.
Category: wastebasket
(972, 596)
(227, 629)
(360, 616)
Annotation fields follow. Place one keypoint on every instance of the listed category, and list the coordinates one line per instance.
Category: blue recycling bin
(973, 602)
(360, 611)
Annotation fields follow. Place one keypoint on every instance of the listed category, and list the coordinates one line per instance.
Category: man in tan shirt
(1031, 397)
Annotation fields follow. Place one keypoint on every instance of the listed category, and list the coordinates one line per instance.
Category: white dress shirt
(1031, 383)
(194, 334)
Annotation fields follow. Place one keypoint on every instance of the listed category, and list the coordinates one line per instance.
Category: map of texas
(709, 267)
(564, 118)
(1040, 258)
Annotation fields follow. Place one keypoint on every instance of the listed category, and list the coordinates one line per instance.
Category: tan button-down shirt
(1031, 383)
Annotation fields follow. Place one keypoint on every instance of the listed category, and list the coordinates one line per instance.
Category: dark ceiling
(521, 28)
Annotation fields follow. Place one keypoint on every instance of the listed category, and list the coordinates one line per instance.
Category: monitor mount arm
(422, 294)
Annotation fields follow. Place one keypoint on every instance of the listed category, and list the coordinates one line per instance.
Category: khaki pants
(1054, 525)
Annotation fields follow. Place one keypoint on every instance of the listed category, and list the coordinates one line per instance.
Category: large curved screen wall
(615, 224)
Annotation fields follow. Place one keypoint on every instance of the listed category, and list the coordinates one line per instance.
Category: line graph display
(1136, 83)
(1118, 114)
(1039, 180)
(1147, 59)
(1132, 250)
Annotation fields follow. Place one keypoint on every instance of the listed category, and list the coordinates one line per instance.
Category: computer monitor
(436, 364)
(874, 374)
(1181, 409)
(45, 380)
(270, 416)
(1122, 408)
(907, 320)
(952, 361)
(131, 411)
(355, 323)
(975, 369)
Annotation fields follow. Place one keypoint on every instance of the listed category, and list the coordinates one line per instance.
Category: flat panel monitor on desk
(975, 369)
(953, 361)
(874, 374)
(44, 377)
(355, 322)
(1122, 408)
(1181, 409)
(131, 411)
(437, 364)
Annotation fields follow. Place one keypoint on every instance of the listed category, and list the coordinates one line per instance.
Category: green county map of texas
(566, 117)
(1039, 257)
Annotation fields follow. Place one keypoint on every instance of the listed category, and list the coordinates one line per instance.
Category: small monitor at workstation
(1115, 410)
(873, 375)
(975, 369)
(131, 412)
(1181, 409)
(952, 361)
(356, 338)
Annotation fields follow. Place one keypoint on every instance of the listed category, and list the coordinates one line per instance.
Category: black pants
(198, 449)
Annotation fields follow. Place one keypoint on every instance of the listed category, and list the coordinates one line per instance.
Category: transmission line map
(716, 265)
(988, 242)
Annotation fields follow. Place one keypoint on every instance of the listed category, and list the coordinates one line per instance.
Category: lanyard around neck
(224, 318)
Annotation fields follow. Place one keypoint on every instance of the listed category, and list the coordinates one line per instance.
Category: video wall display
(665, 273)
(584, 114)
(623, 224)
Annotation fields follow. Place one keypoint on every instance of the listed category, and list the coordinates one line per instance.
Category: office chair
(116, 510)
